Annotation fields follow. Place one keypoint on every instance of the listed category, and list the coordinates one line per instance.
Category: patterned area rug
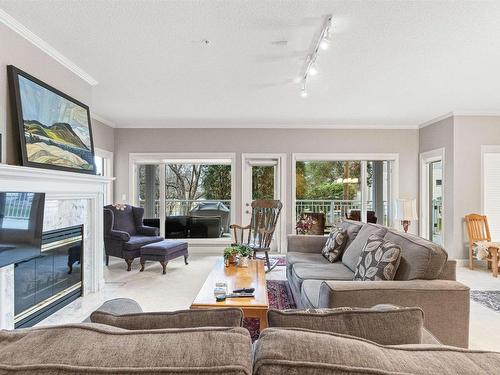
(280, 297)
(280, 258)
(487, 298)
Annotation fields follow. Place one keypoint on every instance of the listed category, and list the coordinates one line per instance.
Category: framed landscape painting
(54, 129)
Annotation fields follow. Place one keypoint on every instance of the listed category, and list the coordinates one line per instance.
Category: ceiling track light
(323, 42)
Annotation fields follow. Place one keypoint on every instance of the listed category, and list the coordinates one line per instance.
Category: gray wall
(104, 136)
(403, 142)
(432, 137)
(471, 132)
(15, 50)
(462, 138)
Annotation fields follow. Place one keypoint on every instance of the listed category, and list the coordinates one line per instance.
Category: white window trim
(282, 160)
(394, 157)
(136, 159)
(425, 159)
(108, 156)
(486, 149)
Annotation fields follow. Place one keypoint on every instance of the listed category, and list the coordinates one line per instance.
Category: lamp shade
(406, 209)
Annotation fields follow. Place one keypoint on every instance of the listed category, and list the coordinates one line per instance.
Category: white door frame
(393, 157)
(281, 176)
(108, 171)
(426, 158)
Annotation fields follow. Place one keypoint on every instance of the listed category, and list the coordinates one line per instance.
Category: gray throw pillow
(379, 260)
(220, 317)
(335, 245)
(386, 325)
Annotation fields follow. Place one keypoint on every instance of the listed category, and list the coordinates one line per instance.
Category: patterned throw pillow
(335, 244)
(379, 260)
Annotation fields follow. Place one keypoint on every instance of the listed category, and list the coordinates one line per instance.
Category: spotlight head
(313, 71)
(324, 44)
(303, 93)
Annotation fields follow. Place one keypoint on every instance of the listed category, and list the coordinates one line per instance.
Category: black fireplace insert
(48, 282)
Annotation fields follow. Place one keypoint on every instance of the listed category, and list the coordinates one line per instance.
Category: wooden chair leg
(494, 262)
(129, 264)
(107, 260)
(143, 263)
(186, 259)
(270, 266)
(471, 259)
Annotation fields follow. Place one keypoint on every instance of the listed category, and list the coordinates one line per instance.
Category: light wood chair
(265, 215)
(479, 230)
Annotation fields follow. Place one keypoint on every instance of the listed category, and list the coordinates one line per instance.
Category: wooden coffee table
(253, 276)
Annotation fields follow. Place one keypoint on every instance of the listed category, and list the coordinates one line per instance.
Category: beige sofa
(425, 278)
(198, 348)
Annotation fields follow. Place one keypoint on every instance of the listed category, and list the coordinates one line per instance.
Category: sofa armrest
(445, 303)
(148, 231)
(118, 235)
(306, 244)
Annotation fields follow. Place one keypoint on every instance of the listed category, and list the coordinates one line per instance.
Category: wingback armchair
(125, 234)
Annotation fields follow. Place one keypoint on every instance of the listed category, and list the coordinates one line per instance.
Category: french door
(263, 178)
(432, 196)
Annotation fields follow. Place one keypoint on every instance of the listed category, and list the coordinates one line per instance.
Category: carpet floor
(487, 298)
(280, 297)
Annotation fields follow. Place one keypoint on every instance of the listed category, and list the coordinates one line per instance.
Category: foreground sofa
(187, 342)
(425, 278)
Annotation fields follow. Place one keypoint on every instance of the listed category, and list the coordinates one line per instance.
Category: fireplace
(44, 284)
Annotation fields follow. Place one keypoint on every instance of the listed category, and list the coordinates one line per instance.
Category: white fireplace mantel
(59, 186)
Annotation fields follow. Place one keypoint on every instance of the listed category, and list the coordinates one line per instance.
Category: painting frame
(18, 121)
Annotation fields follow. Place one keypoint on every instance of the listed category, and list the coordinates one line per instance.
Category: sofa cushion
(334, 354)
(378, 261)
(314, 271)
(353, 251)
(123, 218)
(309, 293)
(420, 258)
(385, 325)
(81, 349)
(335, 245)
(136, 242)
(223, 317)
(296, 257)
(352, 227)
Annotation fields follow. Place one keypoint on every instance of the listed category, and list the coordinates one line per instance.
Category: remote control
(244, 290)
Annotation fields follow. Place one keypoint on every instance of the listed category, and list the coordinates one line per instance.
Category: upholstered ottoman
(163, 252)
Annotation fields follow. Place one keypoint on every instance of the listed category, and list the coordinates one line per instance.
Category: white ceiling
(391, 63)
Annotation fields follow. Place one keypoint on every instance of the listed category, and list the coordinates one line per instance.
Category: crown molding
(97, 117)
(436, 119)
(34, 39)
(210, 124)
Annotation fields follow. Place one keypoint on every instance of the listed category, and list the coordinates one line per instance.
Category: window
(329, 190)
(186, 197)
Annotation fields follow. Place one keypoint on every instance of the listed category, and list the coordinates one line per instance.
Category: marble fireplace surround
(70, 199)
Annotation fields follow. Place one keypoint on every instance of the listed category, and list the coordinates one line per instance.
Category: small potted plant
(230, 255)
(244, 255)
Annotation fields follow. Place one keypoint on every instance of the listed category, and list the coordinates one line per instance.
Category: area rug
(280, 258)
(487, 298)
(280, 297)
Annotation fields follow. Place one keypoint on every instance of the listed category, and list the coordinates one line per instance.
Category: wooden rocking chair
(479, 230)
(265, 215)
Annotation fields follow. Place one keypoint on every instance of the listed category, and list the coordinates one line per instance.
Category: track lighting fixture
(323, 42)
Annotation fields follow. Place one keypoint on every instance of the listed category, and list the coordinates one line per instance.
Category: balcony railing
(334, 210)
(181, 207)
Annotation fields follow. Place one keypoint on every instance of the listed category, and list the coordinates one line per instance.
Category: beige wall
(403, 142)
(436, 136)
(15, 50)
